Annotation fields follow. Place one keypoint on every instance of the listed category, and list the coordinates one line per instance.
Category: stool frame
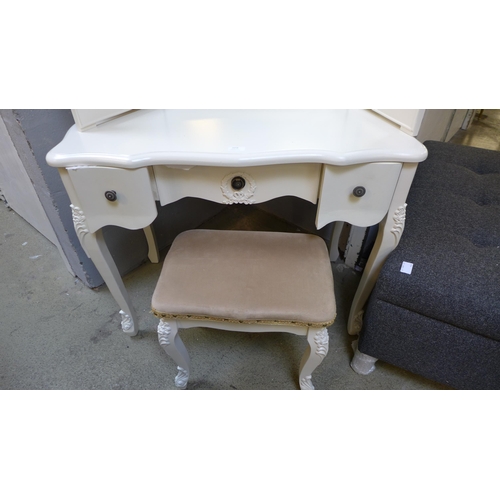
(173, 346)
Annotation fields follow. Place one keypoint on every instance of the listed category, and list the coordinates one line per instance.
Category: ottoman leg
(315, 352)
(174, 347)
(363, 364)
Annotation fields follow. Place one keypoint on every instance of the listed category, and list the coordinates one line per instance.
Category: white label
(406, 267)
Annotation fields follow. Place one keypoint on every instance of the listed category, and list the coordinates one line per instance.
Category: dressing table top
(237, 138)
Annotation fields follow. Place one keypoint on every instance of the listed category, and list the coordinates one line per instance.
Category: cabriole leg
(153, 254)
(97, 250)
(174, 347)
(389, 234)
(315, 352)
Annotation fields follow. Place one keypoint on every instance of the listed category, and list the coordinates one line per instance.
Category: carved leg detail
(181, 379)
(363, 364)
(127, 323)
(357, 323)
(174, 347)
(315, 352)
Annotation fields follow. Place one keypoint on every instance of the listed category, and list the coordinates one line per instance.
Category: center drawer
(245, 185)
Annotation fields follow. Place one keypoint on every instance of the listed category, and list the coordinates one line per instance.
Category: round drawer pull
(110, 195)
(238, 183)
(359, 191)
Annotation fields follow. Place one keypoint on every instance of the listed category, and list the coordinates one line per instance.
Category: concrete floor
(484, 131)
(55, 333)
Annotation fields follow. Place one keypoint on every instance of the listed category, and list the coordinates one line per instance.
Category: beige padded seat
(246, 280)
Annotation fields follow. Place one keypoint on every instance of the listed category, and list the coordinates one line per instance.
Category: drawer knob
(237, 183)
(359, 191)
(110, 195)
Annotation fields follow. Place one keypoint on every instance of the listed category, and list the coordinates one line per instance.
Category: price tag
(406, 267)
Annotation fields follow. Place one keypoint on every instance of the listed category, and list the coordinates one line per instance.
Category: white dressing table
(354, 165)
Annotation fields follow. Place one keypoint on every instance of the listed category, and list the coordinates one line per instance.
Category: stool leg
(174, 347)
(315, 352)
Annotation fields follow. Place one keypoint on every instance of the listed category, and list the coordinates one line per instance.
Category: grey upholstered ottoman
(442, 321)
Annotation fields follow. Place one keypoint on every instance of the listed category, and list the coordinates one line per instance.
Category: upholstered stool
(248, 281)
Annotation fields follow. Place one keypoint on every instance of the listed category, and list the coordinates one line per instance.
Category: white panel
(456, 123)
(88, 118)
(435, 124)
(338, 203)
(408, 119)
(134, 207)
(469, 116)
(18, 188)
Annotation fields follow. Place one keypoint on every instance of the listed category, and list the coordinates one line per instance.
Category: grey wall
(33, 133)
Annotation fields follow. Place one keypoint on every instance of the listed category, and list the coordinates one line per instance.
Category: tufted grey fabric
(443, 320)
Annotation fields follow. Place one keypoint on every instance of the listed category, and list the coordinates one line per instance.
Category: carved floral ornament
(306, 383)
(358, 322)
(321, 341)
(244, 195)
(399, 218)
(79, 221)
(127, 323)
(164, 331)
(181, 378)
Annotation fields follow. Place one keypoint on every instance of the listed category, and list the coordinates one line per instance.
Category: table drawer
(114, 196)
(358, 194)
(245, 185)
